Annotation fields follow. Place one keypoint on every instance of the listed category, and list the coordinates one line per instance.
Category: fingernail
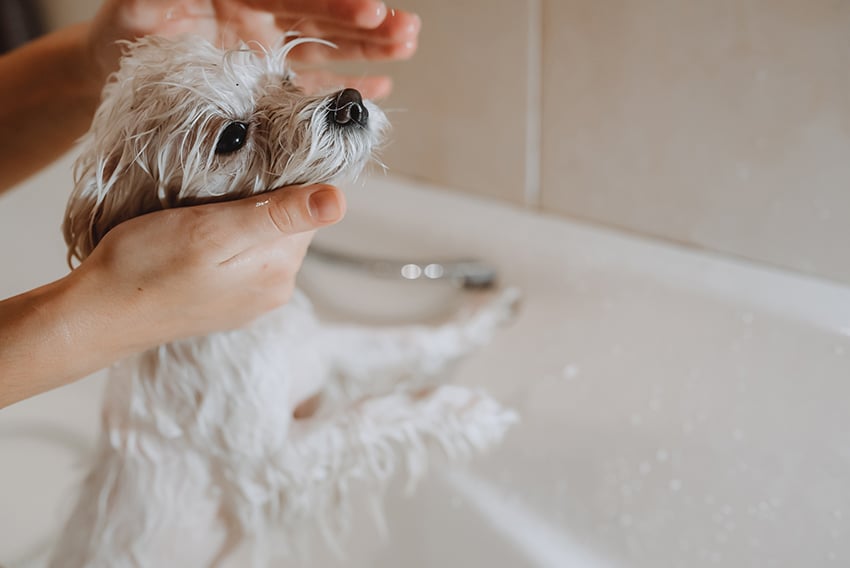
(373, 18)
(324, 206)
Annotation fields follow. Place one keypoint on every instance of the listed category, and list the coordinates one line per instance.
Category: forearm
(56, 334)
(48, 95)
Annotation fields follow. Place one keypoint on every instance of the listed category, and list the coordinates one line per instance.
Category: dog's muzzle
(348, 109)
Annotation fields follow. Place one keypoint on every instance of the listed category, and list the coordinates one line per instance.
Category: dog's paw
(465, 421)
(482, 325)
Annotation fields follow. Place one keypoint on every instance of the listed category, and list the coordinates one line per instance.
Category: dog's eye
(233, 138)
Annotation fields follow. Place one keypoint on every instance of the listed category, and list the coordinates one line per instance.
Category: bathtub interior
(678, 408)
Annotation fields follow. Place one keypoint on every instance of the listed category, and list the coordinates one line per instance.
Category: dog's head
(184, 123)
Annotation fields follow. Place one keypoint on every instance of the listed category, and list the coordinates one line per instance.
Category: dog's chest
(233, 384)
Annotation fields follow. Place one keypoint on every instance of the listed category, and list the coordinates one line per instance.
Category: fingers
(397, 27)
(320, 81)
(287, 211)
(361, 13)
(352, 50)
(394, 38)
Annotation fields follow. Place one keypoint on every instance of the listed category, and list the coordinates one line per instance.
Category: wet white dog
(200, 454)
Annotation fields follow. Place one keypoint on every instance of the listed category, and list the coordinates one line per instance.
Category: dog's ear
(109, 189)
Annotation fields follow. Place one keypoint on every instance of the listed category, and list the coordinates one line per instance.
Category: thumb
(285, 211)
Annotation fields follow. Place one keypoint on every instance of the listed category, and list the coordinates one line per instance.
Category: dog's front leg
(369, 360)
(375, 437)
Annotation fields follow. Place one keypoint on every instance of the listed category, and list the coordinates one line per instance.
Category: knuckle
(280, 215)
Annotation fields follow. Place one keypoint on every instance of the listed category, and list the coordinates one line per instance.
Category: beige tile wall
(463, 99)
(721, 124)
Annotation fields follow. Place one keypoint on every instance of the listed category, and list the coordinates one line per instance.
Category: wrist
(51, 336)
(106, 317)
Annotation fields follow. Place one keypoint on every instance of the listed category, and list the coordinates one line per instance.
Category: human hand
(361, 29)
(189, 271)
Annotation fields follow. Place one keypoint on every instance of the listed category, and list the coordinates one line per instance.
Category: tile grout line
(534, 119)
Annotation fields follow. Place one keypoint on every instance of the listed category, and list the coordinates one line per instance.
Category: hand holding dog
(189, 271)
(361, 29)
(159, 277)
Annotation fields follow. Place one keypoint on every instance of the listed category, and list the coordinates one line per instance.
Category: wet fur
(199, 453)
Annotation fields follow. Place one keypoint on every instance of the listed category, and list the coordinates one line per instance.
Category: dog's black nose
(348, 108)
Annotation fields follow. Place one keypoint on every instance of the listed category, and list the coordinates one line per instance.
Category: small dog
(200, 453)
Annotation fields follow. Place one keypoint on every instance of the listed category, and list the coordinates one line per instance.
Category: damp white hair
(154, 135)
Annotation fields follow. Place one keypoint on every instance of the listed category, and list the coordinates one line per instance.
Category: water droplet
(675, 485)
(662, 455)
(570, 372)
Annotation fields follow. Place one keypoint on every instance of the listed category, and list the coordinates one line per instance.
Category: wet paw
(482, 325)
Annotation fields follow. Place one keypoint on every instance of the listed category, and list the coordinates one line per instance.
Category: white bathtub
(678, 408)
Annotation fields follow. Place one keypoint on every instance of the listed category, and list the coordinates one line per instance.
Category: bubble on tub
(625, 520)
(748, 317)
(675, 485)
(644, 468)
(839, 350)
(709, 499)
(570, 372)
(838, 514)
(738, 434)
(636, 419)
(662, 455)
